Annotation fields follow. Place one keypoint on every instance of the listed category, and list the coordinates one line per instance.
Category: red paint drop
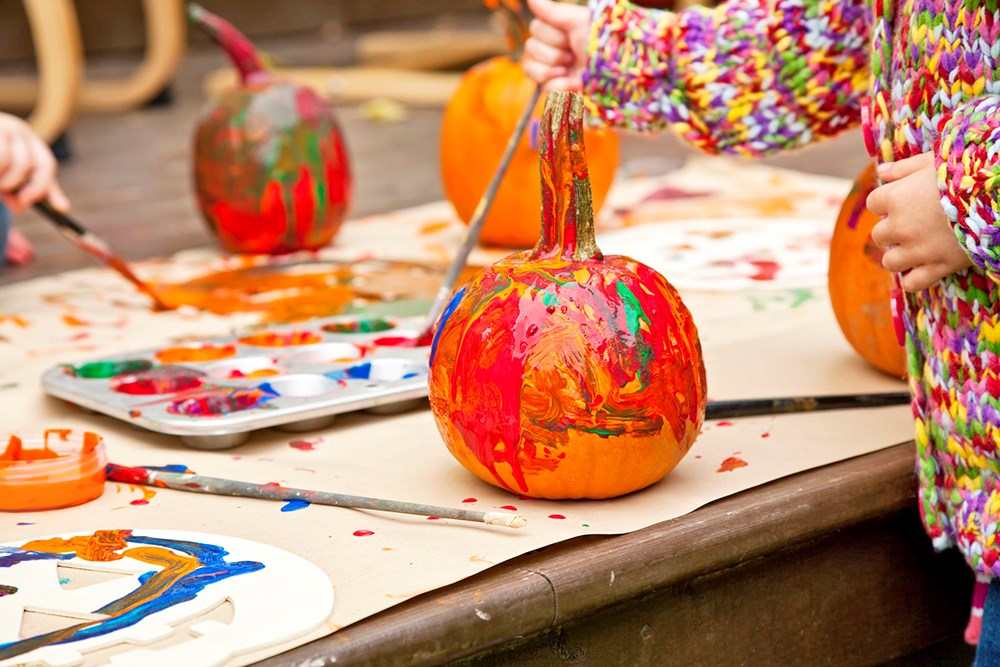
(274, 484)
(302, 445)
(766, 269)
(134, 413)
(470, 500)
(732, 463)
(724, 423)
(140, 501)
(556, 516)
(766, 435)
(508, 507)
(433, 518)
(363, 533)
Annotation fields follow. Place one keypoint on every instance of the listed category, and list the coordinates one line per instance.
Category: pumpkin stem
(567, 206)
(515, 24)
(233, 43)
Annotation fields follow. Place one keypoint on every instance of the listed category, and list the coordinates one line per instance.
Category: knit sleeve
(747, 77)
(969, 178)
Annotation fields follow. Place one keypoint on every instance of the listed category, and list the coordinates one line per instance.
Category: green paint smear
(633, 309)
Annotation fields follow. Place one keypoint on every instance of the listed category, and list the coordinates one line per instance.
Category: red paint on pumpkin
(271, 167)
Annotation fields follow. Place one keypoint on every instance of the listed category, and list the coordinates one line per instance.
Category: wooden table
(830, 566)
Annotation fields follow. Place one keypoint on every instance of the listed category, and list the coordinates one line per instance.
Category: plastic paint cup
(60, 468)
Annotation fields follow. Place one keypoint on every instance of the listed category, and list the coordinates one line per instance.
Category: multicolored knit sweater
(757, 76)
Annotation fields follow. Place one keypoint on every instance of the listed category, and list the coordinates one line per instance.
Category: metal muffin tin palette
(214, 393)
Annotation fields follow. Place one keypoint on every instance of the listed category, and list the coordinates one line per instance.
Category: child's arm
(968, 177)
(747, 77)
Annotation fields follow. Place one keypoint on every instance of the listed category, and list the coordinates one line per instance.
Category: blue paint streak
(295, 504)
(358, 372)
(172, 467)
(449, 309)
(124, 611)
(10, 556)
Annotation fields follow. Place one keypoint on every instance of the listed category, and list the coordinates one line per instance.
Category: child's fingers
(920, 278)
(898, 259)
(41, 177)
(564, 83)
(886, 233)
(560, 15)
(878, 201)
(546, 54)
(549, 34)
(540, 72)
(18, 165)
(57, 197)
(893, 171)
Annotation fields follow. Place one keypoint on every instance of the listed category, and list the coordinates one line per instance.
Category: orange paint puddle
(284, 339)
(306, 290)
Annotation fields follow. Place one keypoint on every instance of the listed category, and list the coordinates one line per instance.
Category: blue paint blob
(294, 505)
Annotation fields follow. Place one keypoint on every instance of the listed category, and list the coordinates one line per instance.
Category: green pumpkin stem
(567, 205)
(233, 43)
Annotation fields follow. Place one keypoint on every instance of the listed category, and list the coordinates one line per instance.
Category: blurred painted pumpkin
(859, 287)
(271, 171)
(478, 121)
(559, 372)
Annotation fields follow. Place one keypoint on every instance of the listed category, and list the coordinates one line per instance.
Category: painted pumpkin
(271, 171)
(478, 121)
(561, 373)
(859, 286)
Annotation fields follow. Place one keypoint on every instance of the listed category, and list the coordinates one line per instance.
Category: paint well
(216, 404)
(102, 370)
(327, 353)
(301, 386)
(281, 338)
(244, 368)
(195, 353)
(157, 381)
(361, 326)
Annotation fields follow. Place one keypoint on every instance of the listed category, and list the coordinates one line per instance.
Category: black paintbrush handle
(60, 218)
(772, 406)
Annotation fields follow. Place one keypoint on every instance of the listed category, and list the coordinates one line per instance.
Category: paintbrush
(89, 242)
(227, 487)
(476, 223)
(789, 404)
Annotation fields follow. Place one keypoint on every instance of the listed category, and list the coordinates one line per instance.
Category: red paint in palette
(396, 341)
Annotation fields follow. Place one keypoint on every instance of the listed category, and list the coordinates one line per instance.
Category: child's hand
(557, 49)
(914, 231)
(27, 167)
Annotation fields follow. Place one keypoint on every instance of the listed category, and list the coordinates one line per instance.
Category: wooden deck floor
(129, 177)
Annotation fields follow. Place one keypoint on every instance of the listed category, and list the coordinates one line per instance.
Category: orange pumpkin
(478, 121)
(560, 372)
(859, 286)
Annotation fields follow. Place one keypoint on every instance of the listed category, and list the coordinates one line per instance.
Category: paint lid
(57, 468)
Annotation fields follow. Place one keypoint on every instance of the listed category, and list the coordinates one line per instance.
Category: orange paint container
(60, 468)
